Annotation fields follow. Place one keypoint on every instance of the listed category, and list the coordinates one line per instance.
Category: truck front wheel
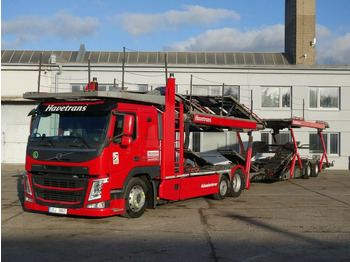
(135, 198)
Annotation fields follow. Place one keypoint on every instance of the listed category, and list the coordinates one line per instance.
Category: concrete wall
(14, 132)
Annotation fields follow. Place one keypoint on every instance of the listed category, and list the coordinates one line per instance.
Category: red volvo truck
(98, 153)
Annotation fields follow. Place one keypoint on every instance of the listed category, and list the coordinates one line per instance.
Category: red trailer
(97, 153)
(286, 162)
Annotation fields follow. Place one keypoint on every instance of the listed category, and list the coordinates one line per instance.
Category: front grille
(66, 192)
(59, 183)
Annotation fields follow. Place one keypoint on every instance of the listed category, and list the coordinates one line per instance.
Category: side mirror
(33, 112)
(126, 141)
(128, 129)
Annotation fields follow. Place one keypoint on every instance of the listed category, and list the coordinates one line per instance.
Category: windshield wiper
(48, 140)
(81, 139)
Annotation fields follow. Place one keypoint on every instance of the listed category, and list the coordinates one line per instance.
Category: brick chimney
(300, 35)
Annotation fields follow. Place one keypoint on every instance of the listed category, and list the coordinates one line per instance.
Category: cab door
(124, 148)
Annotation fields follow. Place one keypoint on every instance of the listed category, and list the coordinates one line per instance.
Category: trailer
(98, 153)
(286, 162)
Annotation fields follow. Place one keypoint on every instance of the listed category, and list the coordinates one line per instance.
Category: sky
(206, 25)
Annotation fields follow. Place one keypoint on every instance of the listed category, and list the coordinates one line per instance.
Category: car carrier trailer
(98, 153)
(286, 162)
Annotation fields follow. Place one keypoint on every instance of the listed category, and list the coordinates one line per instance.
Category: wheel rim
(236, 183)
(223, 188)
(316, 169)
(137, 198)
(308, 170)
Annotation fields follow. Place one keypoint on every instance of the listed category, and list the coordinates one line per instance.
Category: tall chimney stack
(300, 33)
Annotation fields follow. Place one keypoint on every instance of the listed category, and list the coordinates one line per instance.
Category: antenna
(123, 68)
(251, 103)
(191, 93)
(222, 98)
(89, 72)
(39, 77)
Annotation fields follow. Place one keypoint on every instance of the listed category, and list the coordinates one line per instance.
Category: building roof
(177, 58)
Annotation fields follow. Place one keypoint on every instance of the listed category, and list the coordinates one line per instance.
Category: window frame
(79, 87)
(328, 143)
(215, 90)
(280, 97)
(318, 99)
(269, 137)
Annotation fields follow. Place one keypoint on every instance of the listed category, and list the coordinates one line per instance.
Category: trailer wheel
(223, 188)
(315, 169)
(307, 171)
(135, 198)
(236, 184)
(297, 171)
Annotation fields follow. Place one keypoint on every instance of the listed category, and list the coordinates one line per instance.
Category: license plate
(57, 210)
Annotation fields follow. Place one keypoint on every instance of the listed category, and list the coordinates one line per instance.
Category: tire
(236, 184)
(135, 198)
(297, 171)
(307, 171)
(315, 169)
(224, 185)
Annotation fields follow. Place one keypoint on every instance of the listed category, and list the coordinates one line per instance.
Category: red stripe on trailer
(223, 122)
(301, 123)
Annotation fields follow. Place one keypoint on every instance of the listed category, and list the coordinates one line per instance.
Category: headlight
(97, 205)
(96, 189)
(27, 188)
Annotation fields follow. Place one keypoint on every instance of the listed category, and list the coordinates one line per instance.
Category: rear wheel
(223, 188)
(237, 183)
(297, 171)
(135, 198)
(307, 171)
(315, 170)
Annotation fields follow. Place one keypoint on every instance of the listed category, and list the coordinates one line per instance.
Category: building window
(281, 138)
(113, 88)
(77, 88)
(216, 90)
(324, 97)
(101, 87)
(196, 141)
(331, 141)
(276, 97)
(142, 87)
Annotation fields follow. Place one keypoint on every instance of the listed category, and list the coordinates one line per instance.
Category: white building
(275, 87)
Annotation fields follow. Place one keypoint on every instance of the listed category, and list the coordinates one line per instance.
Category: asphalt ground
(297, 220)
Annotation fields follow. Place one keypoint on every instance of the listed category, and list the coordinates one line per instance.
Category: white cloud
(34, 29)
(332, 49)
(141, 24)
(266, 39)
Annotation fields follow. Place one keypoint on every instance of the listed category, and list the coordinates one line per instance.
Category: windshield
(71, 130)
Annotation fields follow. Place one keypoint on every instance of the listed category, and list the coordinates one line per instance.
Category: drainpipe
(56, 77)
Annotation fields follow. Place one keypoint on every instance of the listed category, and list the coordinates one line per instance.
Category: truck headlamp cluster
(27, 188)
(96, 189)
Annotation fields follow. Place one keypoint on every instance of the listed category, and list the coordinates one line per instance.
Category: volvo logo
(59, 156)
